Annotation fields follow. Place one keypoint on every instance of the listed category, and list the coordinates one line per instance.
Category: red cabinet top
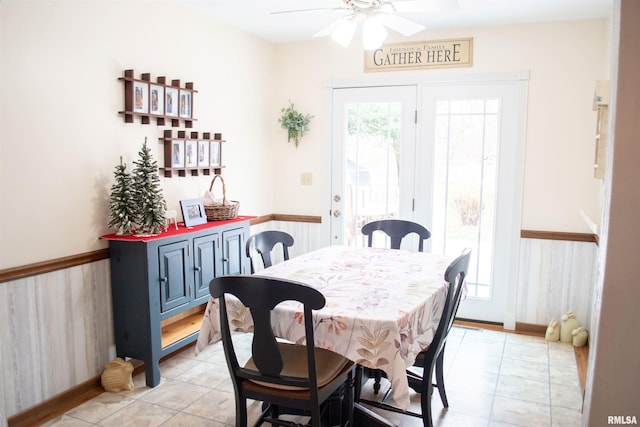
(171, 231)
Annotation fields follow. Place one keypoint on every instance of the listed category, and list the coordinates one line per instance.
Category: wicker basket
(224, 210)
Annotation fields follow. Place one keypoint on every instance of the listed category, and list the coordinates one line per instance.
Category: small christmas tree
(121, 211)
(149, 204)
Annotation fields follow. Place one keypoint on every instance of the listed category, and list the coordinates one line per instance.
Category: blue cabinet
(160, 283)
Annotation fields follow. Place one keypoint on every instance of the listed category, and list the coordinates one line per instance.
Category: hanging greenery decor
(294, 122)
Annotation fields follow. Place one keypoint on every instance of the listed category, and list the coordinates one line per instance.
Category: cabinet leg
(152, 373)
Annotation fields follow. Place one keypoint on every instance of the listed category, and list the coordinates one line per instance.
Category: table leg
(362, 416)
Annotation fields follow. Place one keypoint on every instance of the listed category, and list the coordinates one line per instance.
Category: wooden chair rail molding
(21, 272)
(559, 235)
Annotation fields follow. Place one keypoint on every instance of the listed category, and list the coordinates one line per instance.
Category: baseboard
(582, 359)
(57, 405)
(67, 400)
(531, 329)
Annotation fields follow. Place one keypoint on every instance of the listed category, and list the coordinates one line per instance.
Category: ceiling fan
(374, 15)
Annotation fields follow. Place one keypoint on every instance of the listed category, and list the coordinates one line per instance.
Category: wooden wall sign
(420, 55)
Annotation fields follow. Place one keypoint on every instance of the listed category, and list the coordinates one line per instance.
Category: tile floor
(493, 379)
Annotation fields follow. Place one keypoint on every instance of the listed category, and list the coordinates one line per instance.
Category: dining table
(382, 307)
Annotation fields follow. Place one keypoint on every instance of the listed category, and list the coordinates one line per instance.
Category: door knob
(337, 213)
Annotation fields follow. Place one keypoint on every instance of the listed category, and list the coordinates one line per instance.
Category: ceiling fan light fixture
(344, 32)
(373, 33)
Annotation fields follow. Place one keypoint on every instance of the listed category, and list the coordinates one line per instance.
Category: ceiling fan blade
(399, 24)
(424, 6)
(307, 10)
(328, 30)
(344, 32)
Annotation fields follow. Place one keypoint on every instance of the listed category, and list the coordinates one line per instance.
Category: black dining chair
(396, 229)
(432, 358)
(288, 378)
(264, 243)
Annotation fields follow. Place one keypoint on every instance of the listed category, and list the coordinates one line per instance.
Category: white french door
(458, 171)
(372, 161)
(471, 146)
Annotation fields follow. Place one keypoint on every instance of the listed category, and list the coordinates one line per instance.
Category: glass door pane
(466, 142)
(372, 148)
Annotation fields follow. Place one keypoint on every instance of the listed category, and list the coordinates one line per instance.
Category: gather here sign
(419, 55)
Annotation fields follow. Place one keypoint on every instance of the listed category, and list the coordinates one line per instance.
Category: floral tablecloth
(382, 307)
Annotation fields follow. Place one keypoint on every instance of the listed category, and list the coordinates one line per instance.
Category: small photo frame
(185, 104)
(177, 154)
(140, 97)
(156, 100)
(215, 153)
(191, 153)
(203, 154)
(171, 102)
(193, 212)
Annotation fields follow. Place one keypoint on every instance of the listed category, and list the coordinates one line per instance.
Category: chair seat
(420, 358)
(328, 365)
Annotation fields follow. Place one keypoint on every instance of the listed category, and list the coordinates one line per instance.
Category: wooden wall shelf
(166, 103)
(192, 154)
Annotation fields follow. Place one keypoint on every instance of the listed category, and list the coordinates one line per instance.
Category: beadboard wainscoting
(57, 332)
(556, 276)
(306, 236)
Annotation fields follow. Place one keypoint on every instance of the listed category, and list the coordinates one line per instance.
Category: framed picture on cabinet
(193, 212)
(191, 153)
(177, 154)
(203, 154)
(185, 104)
(171, 102)
(140, 97)
(215, 153)
(156, 103)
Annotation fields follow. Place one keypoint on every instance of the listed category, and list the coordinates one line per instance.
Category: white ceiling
(256, 16)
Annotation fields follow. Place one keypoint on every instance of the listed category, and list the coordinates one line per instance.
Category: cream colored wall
(564, 60)
(62, 135)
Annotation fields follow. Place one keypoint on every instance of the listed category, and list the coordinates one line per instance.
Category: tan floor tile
(523, 389)
(138, 414)
(521, 413)
(566, 396)
(175, 395)
(525, 369)
(564, 417)
(100, 407)
(67, 421)
(206, 374)
(182, 419)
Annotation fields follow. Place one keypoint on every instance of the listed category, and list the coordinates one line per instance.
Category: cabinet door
(207, 262)
(233, 251)
(175, 289)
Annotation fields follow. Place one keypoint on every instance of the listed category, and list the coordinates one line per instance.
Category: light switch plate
(305, 178)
